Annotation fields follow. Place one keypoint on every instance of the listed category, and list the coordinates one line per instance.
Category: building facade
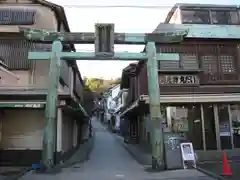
(109, 103)
(23, 87)
(200, 93)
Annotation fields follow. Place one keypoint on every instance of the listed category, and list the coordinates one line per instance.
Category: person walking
(124, 129)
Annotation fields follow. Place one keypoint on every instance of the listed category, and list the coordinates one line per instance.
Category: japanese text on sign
(179, 79)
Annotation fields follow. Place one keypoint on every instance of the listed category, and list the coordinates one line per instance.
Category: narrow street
(109, 160)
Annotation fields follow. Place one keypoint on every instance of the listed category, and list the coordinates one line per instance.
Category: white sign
(28, 105)
(188, 155)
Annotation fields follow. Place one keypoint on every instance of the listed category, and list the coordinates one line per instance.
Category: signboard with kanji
(179, 79)
(22, 105)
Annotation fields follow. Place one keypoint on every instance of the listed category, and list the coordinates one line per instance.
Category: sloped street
(109, 160)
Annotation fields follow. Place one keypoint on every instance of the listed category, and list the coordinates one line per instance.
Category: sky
(130, 20)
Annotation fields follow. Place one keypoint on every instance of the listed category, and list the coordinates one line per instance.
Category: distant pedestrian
(124, 129)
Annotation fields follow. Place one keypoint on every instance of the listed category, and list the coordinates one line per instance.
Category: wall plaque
(179, 79)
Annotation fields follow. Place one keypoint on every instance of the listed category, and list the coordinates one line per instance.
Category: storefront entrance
(210, 121)
(209, 126)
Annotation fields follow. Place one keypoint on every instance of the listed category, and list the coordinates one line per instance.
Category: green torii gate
(104, 39)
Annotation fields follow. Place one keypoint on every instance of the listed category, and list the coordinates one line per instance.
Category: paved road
(216, 168)
(110, 161)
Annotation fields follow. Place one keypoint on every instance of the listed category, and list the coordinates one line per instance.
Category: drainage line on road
(210, 174)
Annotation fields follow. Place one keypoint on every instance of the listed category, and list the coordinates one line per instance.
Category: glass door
(209, 126)
(235, 117)
(224, 126)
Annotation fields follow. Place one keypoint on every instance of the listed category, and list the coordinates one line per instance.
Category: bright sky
(132, 20)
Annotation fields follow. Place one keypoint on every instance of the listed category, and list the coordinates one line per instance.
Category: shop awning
(75, 111)
(196, 98)
(130, 107)
(186, 98)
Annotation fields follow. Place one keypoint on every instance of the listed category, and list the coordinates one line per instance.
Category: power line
(116, 6)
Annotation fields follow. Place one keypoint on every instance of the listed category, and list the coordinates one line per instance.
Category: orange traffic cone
(226, 171)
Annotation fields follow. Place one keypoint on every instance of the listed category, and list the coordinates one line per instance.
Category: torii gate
(104, 39)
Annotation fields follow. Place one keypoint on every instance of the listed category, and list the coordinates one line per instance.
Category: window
(16, 16)
(187, 57)
(42, 47)
(189, 61)
(209, 63)
(234, 17)
(224, 17)
(218, 67)
(195, 17)
(14, 53)
(168, 64)
(227, 64)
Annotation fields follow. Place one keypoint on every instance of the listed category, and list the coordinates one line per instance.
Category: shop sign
(22, 105)
(188, 155)
(179, 79)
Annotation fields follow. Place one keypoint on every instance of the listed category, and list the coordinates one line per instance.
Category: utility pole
(104, 39)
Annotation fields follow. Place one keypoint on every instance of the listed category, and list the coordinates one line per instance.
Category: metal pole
(155, 112)
(51, 106)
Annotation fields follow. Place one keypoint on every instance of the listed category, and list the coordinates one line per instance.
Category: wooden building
(23, 88)
(200, 93)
